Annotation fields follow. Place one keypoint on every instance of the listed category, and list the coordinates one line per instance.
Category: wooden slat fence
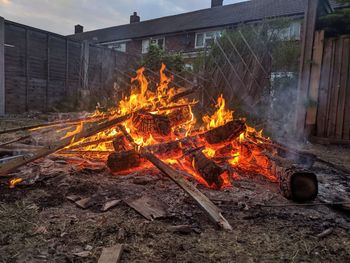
(42, 69)
(333, 86)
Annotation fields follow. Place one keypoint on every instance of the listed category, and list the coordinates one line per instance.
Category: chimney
(215, 3)
(78, 29)
(134, 18)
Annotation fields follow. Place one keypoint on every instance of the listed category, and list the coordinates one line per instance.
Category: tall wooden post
(85, 61)
(305, 67)
(2, 66)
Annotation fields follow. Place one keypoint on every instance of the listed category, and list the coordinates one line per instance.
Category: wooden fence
(330, 87)
(41, 69)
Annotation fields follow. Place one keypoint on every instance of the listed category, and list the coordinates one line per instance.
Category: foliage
(156, 56)
(245, 54)
(337, 22)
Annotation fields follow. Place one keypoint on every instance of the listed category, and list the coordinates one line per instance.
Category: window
(119, 46)
(292, 32)
(206, 38)
(160, 42)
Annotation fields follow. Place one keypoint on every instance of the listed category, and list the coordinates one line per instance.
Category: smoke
(280, 114)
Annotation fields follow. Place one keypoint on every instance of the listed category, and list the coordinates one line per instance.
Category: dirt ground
(39, 224)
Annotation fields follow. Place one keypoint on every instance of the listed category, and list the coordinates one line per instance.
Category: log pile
(209, 155)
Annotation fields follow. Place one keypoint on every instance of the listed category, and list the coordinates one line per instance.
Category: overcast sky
(60, 16)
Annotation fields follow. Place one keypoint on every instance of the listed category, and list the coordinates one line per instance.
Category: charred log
(225, 133)
(207, 169)
(297, 184)
(180, 116)
(147, 123)
(120, 143)
(123, 161)
(229, 131)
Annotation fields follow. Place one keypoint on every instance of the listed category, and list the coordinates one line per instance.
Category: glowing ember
(15, 182)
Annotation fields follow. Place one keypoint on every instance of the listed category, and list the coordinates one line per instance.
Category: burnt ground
(39, 224)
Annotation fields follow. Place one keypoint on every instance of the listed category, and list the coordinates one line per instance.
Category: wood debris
(111, 254)
(110, 204)
(148, 207)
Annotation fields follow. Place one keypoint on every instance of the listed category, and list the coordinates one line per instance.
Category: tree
(337, 22)
(156, 56)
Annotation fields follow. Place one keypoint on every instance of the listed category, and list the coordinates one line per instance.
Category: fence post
(86, 49)
(2, 66)
(305, 68)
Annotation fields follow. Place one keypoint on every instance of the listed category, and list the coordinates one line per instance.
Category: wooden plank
(333, 104)
(85, 60)
(346, 129)
(93, 129)
(67, 69)
(343, 86)
(305, 66)
(342, 91)
(48, 72)
(330, 83)
(324, 88)
(212, 211)
(148, 207)
(111, 254)
(2, 66)
(311, 115)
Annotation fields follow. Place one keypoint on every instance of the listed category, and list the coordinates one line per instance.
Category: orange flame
(243, 153)
(15, 182)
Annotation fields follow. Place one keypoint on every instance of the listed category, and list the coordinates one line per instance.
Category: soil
(39, 224)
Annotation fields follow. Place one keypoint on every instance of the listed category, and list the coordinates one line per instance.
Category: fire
(15, 182)
(220, 117)
(241, 154)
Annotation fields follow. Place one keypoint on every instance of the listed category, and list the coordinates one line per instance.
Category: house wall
(180, 42)
(134, 47)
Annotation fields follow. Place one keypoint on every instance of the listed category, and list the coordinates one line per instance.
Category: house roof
(253, 10)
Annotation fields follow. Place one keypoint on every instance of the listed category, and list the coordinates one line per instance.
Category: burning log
(184, 94)
(148, 123)
(86, 144)
(98, 127)
(120, 143)
(207, 169)
(295, 183)
(177, 147)
(123, 161)
(213, 212)
(180, 116)
(51, 124)
(227, 132)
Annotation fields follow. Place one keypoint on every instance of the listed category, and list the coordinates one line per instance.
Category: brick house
(189, 33)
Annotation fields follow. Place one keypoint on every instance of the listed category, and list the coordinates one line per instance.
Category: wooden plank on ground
(324, 89)
(332, 117)
(311, 115)
(148, 207)
(343, 85)
(111, 254)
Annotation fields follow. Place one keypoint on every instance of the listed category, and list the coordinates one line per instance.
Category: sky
(60, 16)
